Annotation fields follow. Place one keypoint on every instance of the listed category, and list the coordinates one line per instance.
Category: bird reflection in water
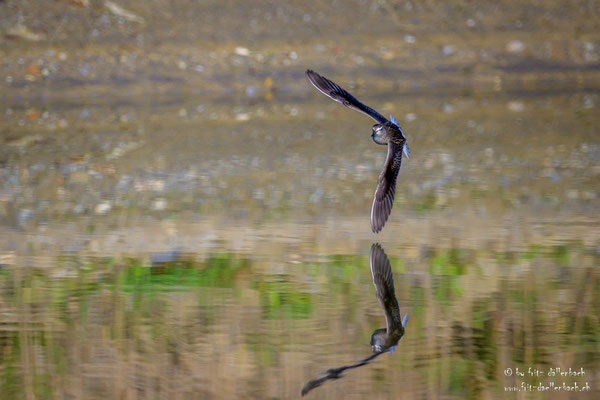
(382, 340)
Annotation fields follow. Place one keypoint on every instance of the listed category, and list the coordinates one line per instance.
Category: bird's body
(385, 132)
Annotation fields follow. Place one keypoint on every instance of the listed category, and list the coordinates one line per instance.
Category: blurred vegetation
(92, 313)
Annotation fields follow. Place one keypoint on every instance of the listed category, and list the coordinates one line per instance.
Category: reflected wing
(383, 279)
(314, 383)
(336, 373)
(386, 188)
(337, 93)
(381, 270)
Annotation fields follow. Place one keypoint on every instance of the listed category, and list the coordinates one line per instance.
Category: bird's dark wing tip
(376, 250)
(339, 94)
(312, 384)
(380, 266)
(374, 227)
(311, 75)
(381, 210)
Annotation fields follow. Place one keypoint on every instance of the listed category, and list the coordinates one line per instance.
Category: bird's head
(379, 340)
(379, 134)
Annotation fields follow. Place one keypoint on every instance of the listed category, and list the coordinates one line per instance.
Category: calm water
(189, 219)
(184, 256)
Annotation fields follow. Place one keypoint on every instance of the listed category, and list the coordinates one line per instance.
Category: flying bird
(385, 133)
(383, 340)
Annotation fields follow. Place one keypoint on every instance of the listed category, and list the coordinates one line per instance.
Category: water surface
(188, 218)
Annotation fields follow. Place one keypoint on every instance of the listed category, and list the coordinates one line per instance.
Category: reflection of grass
(279, 301)
(447, 263)
(104, 311)
(446, 269)
(458, 373)
(217, 272)
(560, 253)
(426, 203)
(484, 336)
(534, 250)
(260, 345)
(11, 385)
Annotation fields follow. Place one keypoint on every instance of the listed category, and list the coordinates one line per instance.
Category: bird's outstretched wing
(337, 93)
(386, 188)
(383, 279)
